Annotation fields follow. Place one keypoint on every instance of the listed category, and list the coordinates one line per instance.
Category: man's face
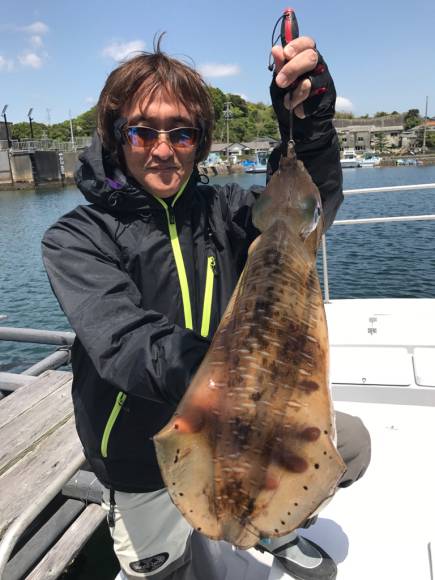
(160, 169)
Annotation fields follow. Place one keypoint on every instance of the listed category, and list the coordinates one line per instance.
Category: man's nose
(163, 148)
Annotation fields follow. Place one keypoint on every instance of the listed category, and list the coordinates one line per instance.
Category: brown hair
(150, 73)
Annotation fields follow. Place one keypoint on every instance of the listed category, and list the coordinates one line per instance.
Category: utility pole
(424, 129)
(48, 123)
(29, 114)
(228, 114)
(8, 137)
(71, 131)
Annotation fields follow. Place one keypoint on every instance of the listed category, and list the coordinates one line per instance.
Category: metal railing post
(325, 270)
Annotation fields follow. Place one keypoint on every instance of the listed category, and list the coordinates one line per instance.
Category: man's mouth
(158, 168)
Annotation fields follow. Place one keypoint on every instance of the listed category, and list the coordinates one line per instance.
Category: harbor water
(376, 260)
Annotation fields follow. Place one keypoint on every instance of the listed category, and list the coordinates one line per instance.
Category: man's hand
(301, 72)
(298, 59)
(295, 59)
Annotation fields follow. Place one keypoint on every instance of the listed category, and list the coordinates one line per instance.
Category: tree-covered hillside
(248, 121)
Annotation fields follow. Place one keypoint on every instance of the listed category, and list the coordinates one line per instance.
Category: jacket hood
(103, 183)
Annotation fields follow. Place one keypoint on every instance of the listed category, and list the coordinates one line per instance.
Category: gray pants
(152, 539)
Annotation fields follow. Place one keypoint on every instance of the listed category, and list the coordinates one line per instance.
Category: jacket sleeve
(137, 351)
(316, 140)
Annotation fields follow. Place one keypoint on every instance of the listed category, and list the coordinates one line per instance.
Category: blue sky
(55, 55)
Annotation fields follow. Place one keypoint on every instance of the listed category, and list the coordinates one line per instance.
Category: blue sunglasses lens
(146, 137)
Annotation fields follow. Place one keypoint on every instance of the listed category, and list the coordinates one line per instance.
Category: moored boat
(370, 160)
(350, 159)
(259, 166)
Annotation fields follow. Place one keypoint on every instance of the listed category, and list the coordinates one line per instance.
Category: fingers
(295, 59)
(299, 95)
(300, 64)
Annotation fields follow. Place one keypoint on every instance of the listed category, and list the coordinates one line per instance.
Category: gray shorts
(152, 539)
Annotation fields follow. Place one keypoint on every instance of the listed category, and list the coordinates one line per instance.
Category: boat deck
(40, 452)
(382, 527)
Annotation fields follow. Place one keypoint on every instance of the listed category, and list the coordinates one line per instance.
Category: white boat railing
(407, 218)
(389, 188)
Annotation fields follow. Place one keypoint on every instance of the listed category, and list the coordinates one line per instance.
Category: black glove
(319, 108)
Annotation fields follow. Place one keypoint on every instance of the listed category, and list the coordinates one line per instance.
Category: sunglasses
(147, 137)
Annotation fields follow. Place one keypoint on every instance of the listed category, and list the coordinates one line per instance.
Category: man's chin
(163, 187)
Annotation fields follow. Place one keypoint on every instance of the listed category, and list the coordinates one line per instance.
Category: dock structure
(40, 456)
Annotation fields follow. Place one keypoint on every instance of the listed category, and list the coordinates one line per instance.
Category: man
(144, 274)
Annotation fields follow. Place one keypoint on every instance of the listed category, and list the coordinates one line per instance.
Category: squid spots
(271, 482)
(272, 257)
(241, 432)
(310, 434)
(308, 386)
(289, 460)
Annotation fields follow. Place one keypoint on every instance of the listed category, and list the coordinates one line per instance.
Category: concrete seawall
(24, 169)
(221, 169)
(424, 159)
(5, 170)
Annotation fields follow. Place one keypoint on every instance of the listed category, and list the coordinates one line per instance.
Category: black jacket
(111, 266)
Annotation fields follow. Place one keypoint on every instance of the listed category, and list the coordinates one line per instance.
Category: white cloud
(91, 100)
(38, 28)
(121, 50)
(30, 59)
(36, 41)
(6, 63)
(343, 105)
(219, 70)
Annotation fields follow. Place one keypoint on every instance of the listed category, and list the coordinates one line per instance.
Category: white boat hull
(349, 163)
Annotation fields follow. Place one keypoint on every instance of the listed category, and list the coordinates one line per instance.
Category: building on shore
(238, 150)
(364, 134)
(415, 136)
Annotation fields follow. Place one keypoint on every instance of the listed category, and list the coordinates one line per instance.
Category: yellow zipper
(120, 399)
(182, 276)
(179, 262)
(208, 295)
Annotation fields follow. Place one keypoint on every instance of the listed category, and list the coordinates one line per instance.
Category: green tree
(218, 97)
(239, 102)
(430, 140)
(343, 115)
(21, 130)
(86, 123)
(380, 142)
(60, 131)
(412, 118)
